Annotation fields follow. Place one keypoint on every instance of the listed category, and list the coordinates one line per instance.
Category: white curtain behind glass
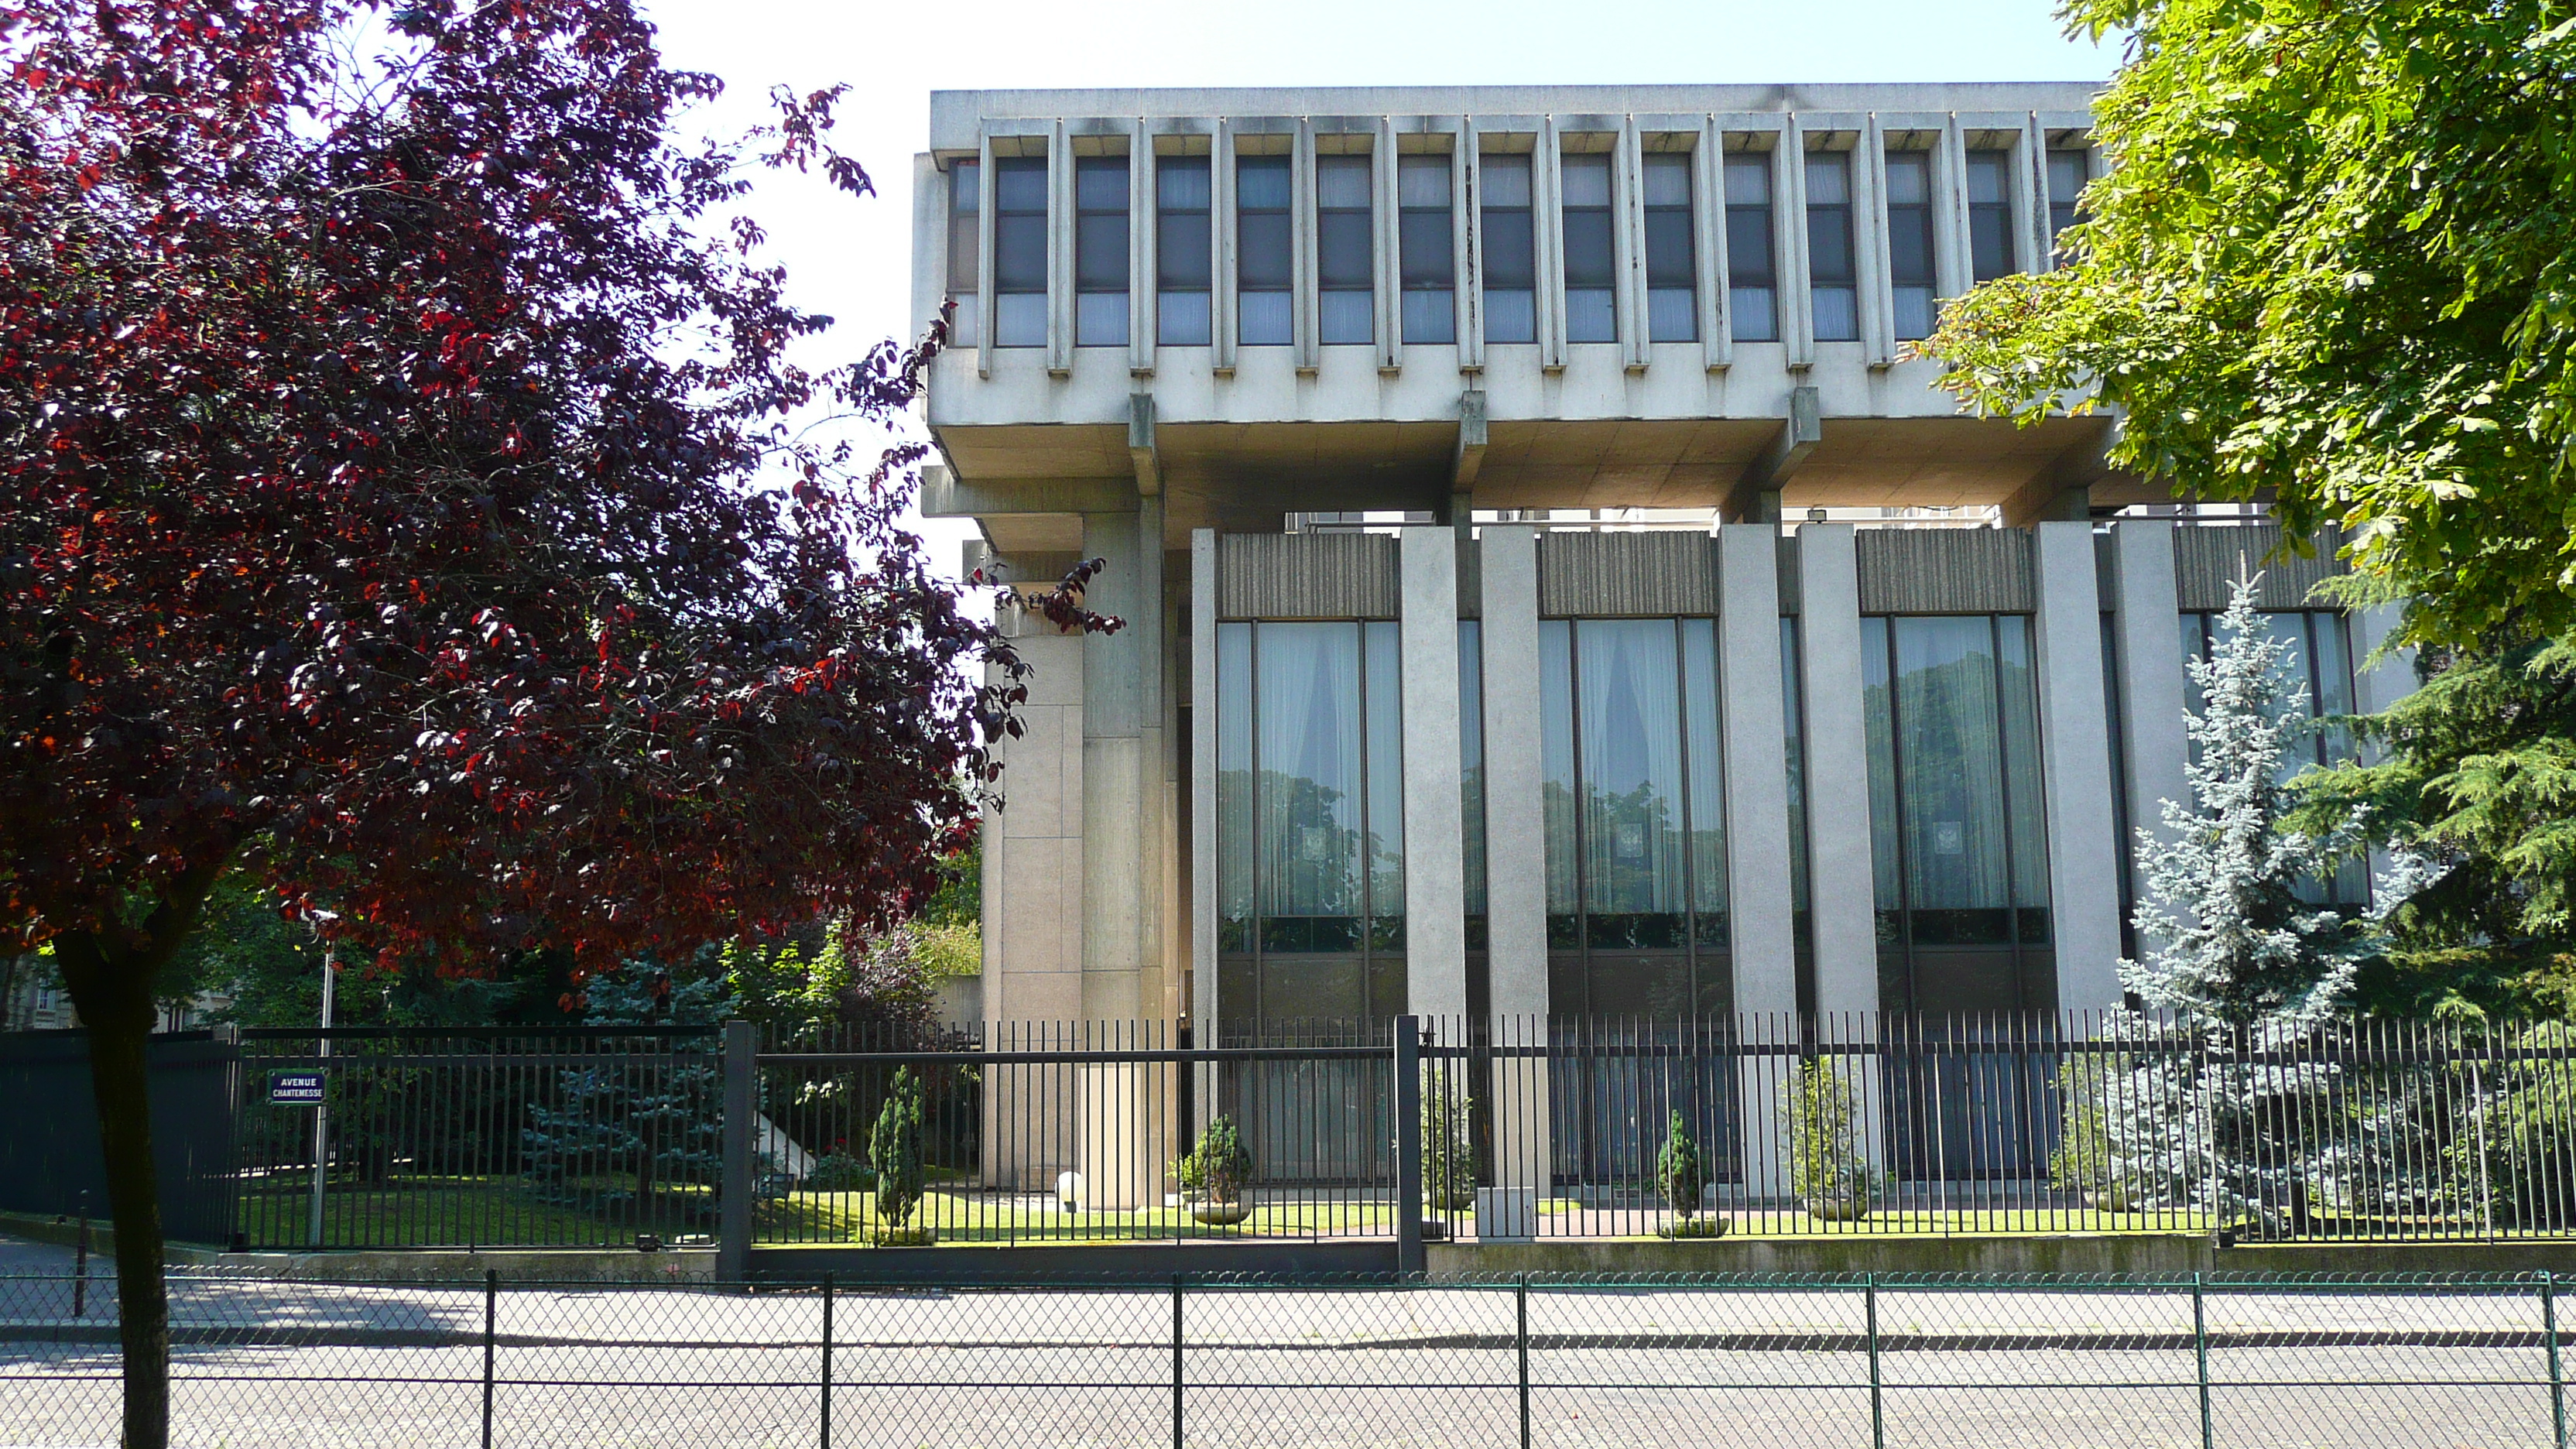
(1308, 716)
(1951, 760)
(1629, 709)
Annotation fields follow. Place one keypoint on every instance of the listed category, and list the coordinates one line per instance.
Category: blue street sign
(295, 1089)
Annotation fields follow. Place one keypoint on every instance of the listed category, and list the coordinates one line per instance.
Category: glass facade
(1019, 251)
(965, 252)
(1672, 262)
(1183, 277)
(2319, 669)
(1511, 249)
(1310, 821)
(1345, 272)
(1426, 256)
(1909, 242)
(1591, 305)
(1633, 793)
(1100, 251)
(1752, 279)
(1958, 839)
(1832, 265)
(1264, 247)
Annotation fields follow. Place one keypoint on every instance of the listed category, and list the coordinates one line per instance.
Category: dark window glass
(1672, 263)
(965, 257)
(1989, 214)
(2066, 175)
(1343, 249)
(1752, 282)
(1100, 251)
(1263, 250)
(1019, 251)
(1832, 277)
(1909, 241)
(1591, 308)
(1511, 256)
(1429, 260)
(1181, 261)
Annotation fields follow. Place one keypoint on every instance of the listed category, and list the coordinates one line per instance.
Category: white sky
(853, 259)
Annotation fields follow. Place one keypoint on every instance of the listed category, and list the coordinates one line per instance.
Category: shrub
(1827, 1166)
(894, 1150)
(1217, 1169)
(1680, 1171)
(839, 1171)
(2084, 1159)
(1448, 1142)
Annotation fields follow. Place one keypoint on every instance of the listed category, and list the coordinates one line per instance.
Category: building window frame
(1019, 251)
(1833, 257)
(1749, 180)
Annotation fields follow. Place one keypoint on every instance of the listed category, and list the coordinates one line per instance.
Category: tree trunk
(115, 1002)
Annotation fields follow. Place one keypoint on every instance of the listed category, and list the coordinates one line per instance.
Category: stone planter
(1703, 1226)
(1837, 1209)
(921, 1236)
(1221, 1214)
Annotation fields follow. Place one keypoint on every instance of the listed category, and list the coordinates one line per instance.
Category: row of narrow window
(1426, 255)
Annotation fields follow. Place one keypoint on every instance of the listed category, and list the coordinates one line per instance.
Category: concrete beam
(1470, 454)
(2062, 492)
(1755, 498)
(945, 495)
(1140, 444)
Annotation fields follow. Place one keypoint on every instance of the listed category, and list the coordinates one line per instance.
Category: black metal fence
(1410, 1130)
(49, 1160)
(1996, 1363)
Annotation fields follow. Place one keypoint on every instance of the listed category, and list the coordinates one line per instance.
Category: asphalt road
(302, 1366)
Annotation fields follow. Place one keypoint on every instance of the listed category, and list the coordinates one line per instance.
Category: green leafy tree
(1680, 1171)
(2333, 264)
(1217, 1170)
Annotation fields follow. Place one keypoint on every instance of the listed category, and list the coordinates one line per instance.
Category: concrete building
(1550, 586)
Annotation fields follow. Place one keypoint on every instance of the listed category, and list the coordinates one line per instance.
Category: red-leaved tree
(400, 498)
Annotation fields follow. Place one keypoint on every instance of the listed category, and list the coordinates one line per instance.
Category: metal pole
(1408, 1145)
(2200, 1352)
(80, 1262)
(491, 1318)
(827, 1362)
(322, 1108)
(1176, 1361)
(1877, 1411)
(2557, 1379)
(733, 1201)
(1523, 1295)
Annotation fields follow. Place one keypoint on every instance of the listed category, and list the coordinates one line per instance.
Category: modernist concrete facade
(1629, 705)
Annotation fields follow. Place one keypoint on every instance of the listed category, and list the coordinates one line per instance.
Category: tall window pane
(1343, 250)
(1832, 272)
(2066, 176)
(1707, 784)
(1019, 251)
(1591, 314)
(1234, 787)
(1793, 748)
(1471, 774)
(1428, 256)
(1909, 241)
(1556, 775)
(1263, 251)
(2017, 699)
(965, 255)
(1752, 281)
(1307, 733)
(1100, 251)
(1950, 737)
(1385, 689)
(1183, 276)
(1878, 716)
(1628, 724)
(1511, 256)
(1989, 214)
(1672, 259)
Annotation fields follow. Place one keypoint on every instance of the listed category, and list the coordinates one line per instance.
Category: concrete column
(1060, 227)
(2030, 197)
(1203, 784)
(2146, 624)
(1628, 243)
(984, 254)
(1121, 820)
(1141, 250)
(1467, 233)
(1790, 300)
(1869, 227)
(1303, 281)
(1708, 236)
(1842, 900)
(1435, 903)
(2075, 762)
(1386, 254)
(1221, 216)
(1515, 858)
(1515, 819)
(1547, 193)
(1953, 269)
(1757, 777)
(1033, 885)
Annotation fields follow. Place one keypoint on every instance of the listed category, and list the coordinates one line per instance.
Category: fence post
(826, 1435)
(80, 1262)
(2557, 1379)
(1408, 1145)
(1176, 1361)
(733, 1190)
(491, 1320)
(2200, 1353)
(1877, 1411)
(1522, 1295)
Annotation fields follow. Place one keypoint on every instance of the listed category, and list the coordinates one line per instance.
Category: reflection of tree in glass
(1635, 849)
(1952, 753)
(1309, 857)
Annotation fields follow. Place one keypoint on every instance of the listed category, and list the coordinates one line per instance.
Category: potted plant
(1213, 1175)
(1683, 1176)
(1827, 1168)
(894, 1152)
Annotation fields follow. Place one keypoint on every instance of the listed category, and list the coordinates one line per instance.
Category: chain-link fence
(1839, 1362)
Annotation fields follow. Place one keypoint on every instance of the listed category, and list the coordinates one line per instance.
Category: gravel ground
(303, 1366)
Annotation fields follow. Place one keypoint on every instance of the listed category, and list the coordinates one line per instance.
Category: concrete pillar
(1435, 920)
(1515, 819)
(1761, 929)
(1033, 887)
(1203, 785)
(1842, 886)
(1121, 878)
(2075, 763)
(2146, 624)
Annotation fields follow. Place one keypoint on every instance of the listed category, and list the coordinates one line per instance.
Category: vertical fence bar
(733, 1203)
(2557, 1378)
(491, 1321)
(1877, 1410)
(1520, 1295)
(2200, 1354)
(825, 1437)
(1177, 1420)
(1408, 1145)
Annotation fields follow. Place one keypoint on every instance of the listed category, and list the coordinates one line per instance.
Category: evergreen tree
(2238, 958)
(894, 1151)
(617, 1132)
